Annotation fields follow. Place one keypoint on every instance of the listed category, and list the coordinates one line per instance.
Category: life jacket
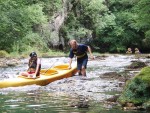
(32, 65)
(79, 54)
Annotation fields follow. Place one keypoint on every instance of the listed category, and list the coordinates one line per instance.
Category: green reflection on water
(41, 102)
(46, 102)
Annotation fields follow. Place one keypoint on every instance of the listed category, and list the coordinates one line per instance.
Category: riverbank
(14, 58)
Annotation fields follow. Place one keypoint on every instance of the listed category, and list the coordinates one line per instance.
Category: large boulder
(137, 64)
(137, 90)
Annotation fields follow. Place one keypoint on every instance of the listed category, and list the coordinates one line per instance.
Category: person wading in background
(80, 50)
(129, 51)
(137, 51)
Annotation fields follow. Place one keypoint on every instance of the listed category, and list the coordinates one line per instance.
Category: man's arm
(70, 62)
(90, 51)
(71, 55)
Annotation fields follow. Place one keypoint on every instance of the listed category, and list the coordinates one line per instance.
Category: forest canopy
(106, 25)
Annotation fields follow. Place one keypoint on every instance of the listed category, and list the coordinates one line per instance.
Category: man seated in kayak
(34, 66)
(80, 50)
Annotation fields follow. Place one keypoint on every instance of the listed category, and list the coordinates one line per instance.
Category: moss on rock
(137, 64)
(137, 90)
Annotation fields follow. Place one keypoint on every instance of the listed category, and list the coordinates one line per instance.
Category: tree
(17, 20)
(143, 22)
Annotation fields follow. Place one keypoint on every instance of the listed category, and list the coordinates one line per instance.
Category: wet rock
(80, 102)
(137, 64)
(122, 79)
(121, 84)
(129, 104)
(110, 75)
(132, 108)
(126, 75)
(100, 57)
(146, 105)
(13, 62)
(136, 92)
(113, 99)
(147, 56)
(6, 62)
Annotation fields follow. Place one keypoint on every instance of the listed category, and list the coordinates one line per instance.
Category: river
(64, 96)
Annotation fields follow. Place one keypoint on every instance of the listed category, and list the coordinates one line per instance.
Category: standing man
(80, 50)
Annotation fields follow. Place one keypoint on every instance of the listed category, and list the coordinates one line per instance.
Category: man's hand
(34, 76)
(69, 67)
(92, 57)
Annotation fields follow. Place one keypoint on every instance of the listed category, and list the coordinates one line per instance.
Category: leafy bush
(32, 41)
(3, 54)
(17, 20)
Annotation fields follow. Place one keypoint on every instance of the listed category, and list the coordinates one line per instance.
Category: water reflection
(37, 101)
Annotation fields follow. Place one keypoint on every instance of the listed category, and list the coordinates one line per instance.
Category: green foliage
(145, 75)
(51, 53)
(137, 90)
(32, 41)
(17, 20)
(91, 12)
(143, 21)
(143, 14)
(51, 6)
(104, 22)
(113, 24)
(94, 6)
(3, 54)
(34, 14)
(119, 48)
(74, 29)
(81, 32)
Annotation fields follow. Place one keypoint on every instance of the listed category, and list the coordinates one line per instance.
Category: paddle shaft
(49, 68)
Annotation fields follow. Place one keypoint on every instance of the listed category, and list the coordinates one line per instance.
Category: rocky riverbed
(106, 77)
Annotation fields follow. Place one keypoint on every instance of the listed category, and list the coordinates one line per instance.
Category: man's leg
(79, 72)
(79, 67)
(84, 65)
(83, 71)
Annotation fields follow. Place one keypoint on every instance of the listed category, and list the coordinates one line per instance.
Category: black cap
(33, 54)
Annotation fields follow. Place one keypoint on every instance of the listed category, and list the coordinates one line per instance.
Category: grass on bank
(25, 54)
(47, 54)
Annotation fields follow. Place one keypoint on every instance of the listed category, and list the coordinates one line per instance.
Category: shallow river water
(60, 96)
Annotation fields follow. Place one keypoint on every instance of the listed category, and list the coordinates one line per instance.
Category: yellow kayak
(47, 76)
